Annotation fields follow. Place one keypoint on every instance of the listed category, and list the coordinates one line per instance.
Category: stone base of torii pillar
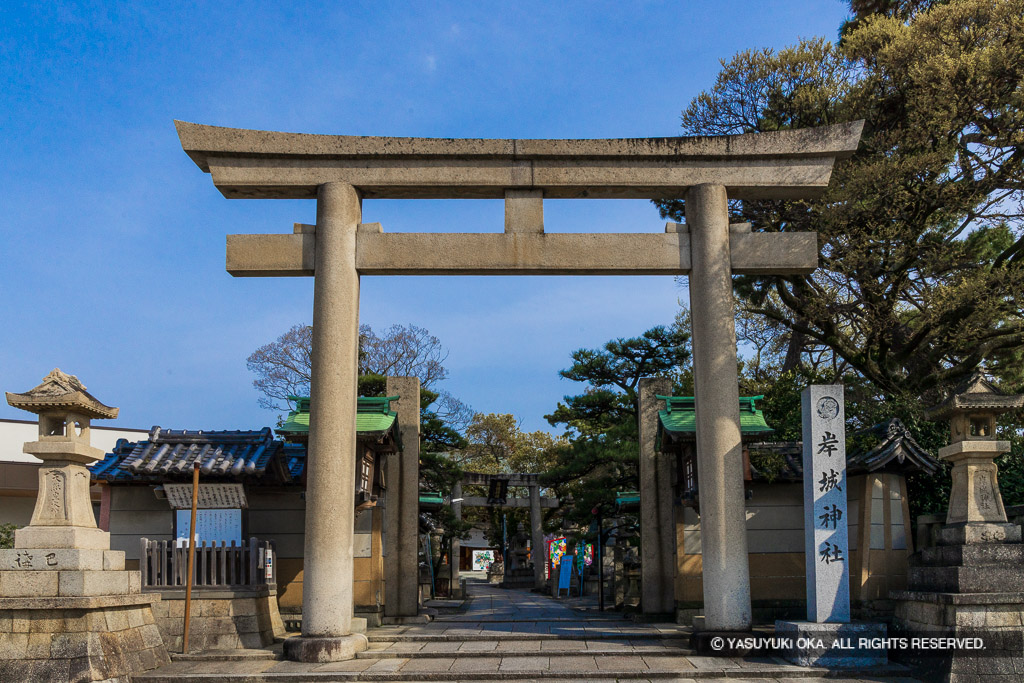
(68, 608)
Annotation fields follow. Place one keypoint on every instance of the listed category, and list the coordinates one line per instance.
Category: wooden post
(191, 555)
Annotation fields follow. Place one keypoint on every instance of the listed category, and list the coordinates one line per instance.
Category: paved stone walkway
(514, 635)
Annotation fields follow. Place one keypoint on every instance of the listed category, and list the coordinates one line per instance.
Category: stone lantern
(63, 516)
(976, 513)
(84, 616)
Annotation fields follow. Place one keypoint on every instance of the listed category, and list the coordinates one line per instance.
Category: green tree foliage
(921, 231)
(921, 242)
(495, 443)
(601, 422)
(7, 535)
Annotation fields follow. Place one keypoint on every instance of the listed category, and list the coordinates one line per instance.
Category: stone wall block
(13, 645)
(19, 584)
(46, 621)
(38, 646)
(97, 622)
(243, 607)
(223, 641)
(78, 584)
(964, 617)
(113, 560)
(69, 646)
(253, 640)
(133, 643)
(135, 618)
(117, 620)
(175, 609)
(246, 624)
(1002, 617)
(218, 608)
(76, 621)
(151, 636)
(37, 670)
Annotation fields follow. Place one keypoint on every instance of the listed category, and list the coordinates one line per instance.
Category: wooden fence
(164, 565)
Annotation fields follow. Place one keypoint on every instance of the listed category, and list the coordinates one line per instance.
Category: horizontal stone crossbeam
(513, 479)
(481, 502)
(382, 253)
(274, 165)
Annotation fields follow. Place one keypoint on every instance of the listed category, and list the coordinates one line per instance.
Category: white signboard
(212, 526)
(826, 540)
(211, 496)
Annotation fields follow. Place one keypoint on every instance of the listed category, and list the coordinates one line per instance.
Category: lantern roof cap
(975, 394)
(61, 391)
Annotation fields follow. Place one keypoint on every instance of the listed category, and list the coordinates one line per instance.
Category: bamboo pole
(191, 555)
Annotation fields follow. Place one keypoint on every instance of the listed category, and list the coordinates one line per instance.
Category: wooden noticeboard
(211, 496)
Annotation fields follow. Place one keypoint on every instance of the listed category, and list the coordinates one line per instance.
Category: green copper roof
(431, 497)
(679, 416)
(373, 415)
(627, 501)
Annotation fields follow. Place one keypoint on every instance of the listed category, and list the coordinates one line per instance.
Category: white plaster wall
(14, 434)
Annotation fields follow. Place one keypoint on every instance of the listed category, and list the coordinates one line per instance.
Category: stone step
(241, 655)
(550, 648)
(508, 669)
(448, 637)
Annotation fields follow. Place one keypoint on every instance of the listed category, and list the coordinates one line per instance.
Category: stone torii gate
(534, 502)
(341, 171)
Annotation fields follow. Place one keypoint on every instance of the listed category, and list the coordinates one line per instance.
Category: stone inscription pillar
(330, 469)
(537, 551)
(826, 540)
(401, 572)
(719, 450)
(657, 522)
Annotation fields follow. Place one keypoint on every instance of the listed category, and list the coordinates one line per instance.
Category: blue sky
(112, 246)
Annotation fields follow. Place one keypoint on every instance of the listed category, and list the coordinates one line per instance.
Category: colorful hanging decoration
(557, 549)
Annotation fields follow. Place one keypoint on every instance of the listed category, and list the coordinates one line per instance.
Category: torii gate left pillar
(339, 170)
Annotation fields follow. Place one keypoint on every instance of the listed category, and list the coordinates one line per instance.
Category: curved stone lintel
(267, 164)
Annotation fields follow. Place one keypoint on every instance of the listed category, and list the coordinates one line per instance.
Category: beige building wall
(879, 533)
(276, 514)
(775, 539)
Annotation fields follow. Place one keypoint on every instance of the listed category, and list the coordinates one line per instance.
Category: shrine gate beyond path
(341, 171)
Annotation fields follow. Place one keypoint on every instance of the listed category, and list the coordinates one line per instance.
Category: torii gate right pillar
(726, 573)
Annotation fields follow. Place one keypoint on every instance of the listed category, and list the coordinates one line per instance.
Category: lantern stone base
(960, 591)
(968, 533)
(987, 628)
(94, 638)
(67, 537)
